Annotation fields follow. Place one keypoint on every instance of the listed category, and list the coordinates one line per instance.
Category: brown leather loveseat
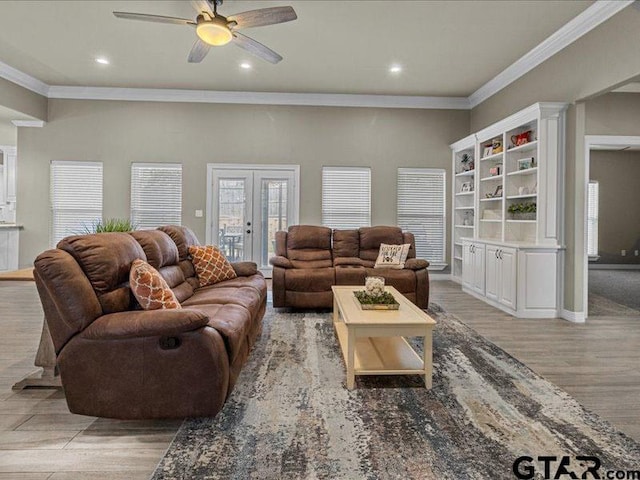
(310, 259)
(116, 360)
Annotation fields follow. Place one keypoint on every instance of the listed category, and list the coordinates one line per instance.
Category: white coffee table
(373, 341)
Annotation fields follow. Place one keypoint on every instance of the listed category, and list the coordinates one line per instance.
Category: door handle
(500, 254)
(248, 224)
(248, 231)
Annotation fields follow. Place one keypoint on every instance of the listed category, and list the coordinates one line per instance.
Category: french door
(249, 204)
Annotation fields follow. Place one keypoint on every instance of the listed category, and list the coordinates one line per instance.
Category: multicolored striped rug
(291, 416)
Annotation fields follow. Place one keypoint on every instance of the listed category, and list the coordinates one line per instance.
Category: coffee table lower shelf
(381, 355)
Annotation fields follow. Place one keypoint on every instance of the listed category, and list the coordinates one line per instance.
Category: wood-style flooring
(40, 439)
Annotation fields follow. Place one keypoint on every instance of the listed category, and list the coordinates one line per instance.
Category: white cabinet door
(467, 265)
(478, 268)
(492, 264)
(507, 277)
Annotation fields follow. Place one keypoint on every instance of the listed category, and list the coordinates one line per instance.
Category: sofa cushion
(256, 282)
(392, 256)
(246, 297)
(211, 265)
(183, 237)
(372, 237)
(346, 243)
(159, 248)
(350, 275)
(162, 254)
(149, 288)
(106, 260)
(309, 280)
(309, 246)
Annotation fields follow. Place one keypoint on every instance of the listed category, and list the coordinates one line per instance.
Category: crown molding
(589, 19)
(24, 80)
(28, 123)
(257, 98)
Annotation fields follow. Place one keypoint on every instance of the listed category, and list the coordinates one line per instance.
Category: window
(592, 219)
(156, 194)
(421, 211)
(75, 198)
(346, 197)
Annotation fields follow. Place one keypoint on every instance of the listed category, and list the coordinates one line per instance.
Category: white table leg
(428, 359)
(351, 350)
(45, 358)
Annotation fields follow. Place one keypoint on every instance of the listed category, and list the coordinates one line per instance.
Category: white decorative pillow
(392, 256)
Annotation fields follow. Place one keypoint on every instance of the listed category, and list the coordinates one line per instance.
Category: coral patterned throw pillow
(149, 288)
(211, 265)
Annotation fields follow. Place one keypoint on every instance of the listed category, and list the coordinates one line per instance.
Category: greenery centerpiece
(374, 296)
(109, 225)
(523, 211)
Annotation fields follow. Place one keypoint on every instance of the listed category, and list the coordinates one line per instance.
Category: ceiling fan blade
(154, 18)
(250, 45)
(263, 16)
(198, 51)
(201, 6)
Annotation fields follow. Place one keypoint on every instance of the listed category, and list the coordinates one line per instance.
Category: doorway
(610, 280)
(247, 205)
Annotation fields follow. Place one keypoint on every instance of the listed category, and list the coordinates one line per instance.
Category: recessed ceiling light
(395, 69)
(245, 65)
(102, 61)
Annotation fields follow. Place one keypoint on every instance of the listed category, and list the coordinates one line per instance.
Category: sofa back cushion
(372, 237)
(106, 258)
(184, 238)
(309, 246)
(346, 243)
(162, 254)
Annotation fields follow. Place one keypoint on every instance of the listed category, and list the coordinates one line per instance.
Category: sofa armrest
(416, 264)
(280, 261)
(245, 269)
(348, 262)
(144, 323)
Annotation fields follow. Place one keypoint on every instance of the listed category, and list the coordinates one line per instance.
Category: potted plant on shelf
(523, 211)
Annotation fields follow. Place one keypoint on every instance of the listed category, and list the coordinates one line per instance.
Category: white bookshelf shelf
(458, 258)
(468, 173)
(526, 171)
(494, 199)
(493, 177)
(524, 148)
(491, 220)
(520, 221)
(465, 208)
(464, 226)
(529, 195)
(461, 194)
(495, 156)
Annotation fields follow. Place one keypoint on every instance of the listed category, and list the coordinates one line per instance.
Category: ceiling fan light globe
(214, 33)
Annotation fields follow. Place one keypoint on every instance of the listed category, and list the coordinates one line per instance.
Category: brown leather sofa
(118, 361)
(310, 259)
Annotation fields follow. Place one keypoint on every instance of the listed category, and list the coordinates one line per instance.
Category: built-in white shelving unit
(512, 257)
(464, 199)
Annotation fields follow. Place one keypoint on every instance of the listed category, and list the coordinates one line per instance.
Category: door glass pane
(273, 215)
(231, 217)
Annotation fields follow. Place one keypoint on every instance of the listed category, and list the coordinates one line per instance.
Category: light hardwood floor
(40, 439)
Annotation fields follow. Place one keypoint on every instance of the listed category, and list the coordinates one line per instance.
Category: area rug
(291, 416)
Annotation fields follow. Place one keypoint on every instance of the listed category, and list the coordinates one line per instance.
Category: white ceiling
(446, 48)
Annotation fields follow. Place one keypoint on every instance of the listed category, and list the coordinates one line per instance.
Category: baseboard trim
(573, 317)
(614, 266)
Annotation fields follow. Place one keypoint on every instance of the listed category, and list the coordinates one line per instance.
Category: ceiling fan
(215, 30)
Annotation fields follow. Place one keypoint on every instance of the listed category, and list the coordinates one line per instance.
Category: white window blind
(75, 198)
(346, 197)
(421, 211)
(156, 194)
(592, 219)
